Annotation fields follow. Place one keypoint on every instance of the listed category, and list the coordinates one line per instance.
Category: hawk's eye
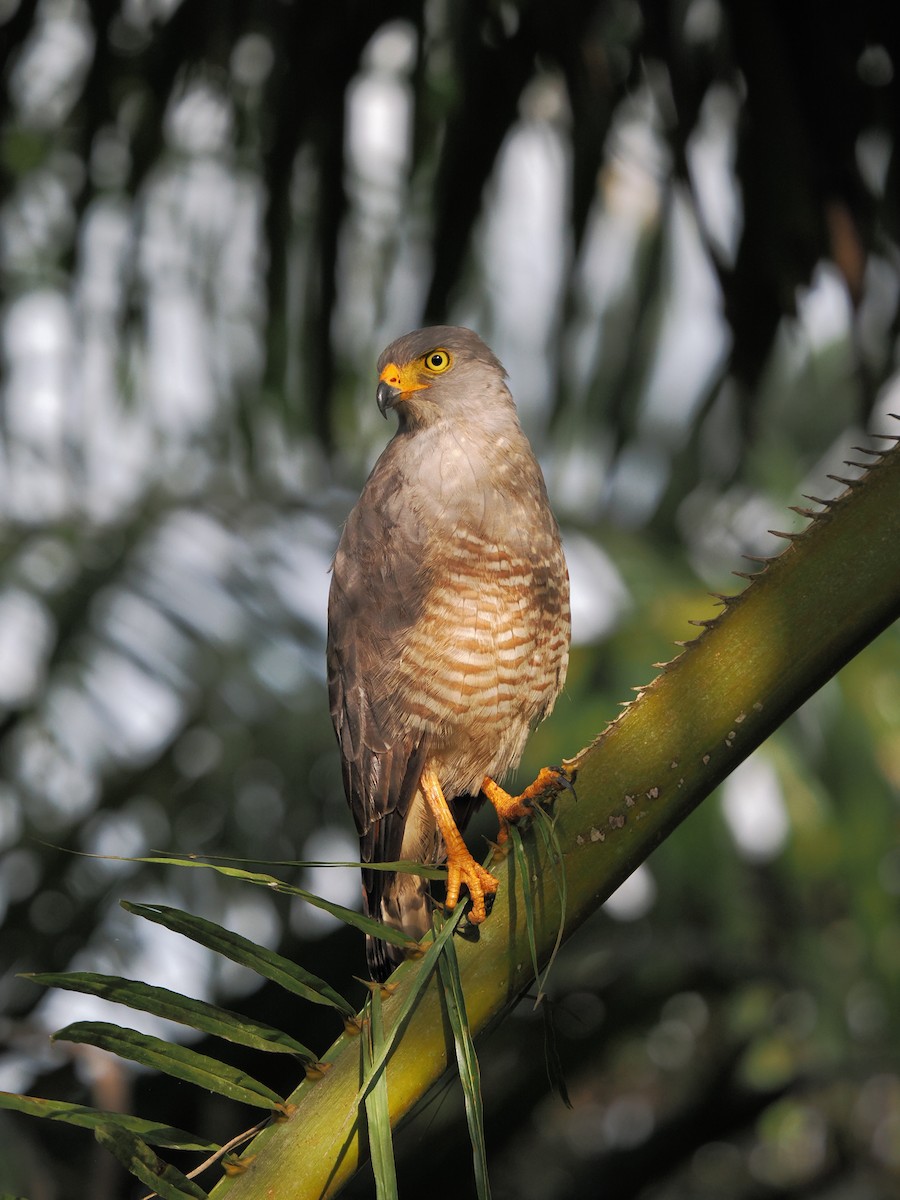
(437, 361)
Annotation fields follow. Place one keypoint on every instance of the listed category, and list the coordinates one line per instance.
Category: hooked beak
(386, 397)
(396, 383)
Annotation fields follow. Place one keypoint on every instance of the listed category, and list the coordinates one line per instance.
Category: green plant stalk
(803, 616)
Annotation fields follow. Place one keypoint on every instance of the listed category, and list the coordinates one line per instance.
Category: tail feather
(404, 904)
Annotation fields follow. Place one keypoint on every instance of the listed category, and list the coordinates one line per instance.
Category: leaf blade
(546, 826)
(381, 1142)
(521, 864)
(171, 1059)
(137, 1158)
(349, 916)
(268, 963)
(467, 1063)
(426, 967)
(404, 866)
(173, 1006)
(81, 1115)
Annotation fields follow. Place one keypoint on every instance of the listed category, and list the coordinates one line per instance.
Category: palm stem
(836, 586)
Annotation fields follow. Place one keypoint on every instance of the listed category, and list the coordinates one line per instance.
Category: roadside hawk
(448, 625)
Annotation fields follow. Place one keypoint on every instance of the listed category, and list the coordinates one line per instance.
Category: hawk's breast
(487, 656)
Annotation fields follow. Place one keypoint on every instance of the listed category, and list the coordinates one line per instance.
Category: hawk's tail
(404, 903)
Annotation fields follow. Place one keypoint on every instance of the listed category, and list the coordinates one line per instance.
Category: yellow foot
(463, 869)
(461, 866)
(549, 783)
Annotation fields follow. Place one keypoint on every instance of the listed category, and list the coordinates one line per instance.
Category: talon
(461, 866)
(550, 781)
(565, 780)
(463, 869)
(467, 931)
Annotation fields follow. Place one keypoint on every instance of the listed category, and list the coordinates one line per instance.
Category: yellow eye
(437, 361)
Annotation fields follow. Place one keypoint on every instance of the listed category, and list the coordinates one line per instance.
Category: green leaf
(426, 967)
(137, 1157)
(467, 1062)
(241, 950)
(208, 1018)
(381, 1142)
(381, 1055)
(546, 829)
(403, 866)
(546, 826)
(179, 1061)
(91, 1118)
(349, 916)
(521, 864)
(555, 1072)
(358, 920)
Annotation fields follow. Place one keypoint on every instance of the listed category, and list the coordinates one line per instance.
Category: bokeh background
(676, 222)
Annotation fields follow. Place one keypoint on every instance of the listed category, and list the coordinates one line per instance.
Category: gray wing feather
(378, 586)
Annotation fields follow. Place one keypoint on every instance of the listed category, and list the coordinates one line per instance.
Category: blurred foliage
(677, 225)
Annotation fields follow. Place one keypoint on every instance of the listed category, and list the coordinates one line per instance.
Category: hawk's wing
(378, 586)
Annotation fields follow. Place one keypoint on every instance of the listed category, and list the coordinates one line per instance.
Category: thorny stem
(803, 616)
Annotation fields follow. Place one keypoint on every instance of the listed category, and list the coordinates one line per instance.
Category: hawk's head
(439, 371)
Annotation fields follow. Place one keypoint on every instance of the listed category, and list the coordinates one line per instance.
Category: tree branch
(803, 617)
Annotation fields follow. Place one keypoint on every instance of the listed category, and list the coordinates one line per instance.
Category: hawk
(448, 625)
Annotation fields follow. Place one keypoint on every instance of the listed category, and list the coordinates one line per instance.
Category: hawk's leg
(461, 866)
(510, 808)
